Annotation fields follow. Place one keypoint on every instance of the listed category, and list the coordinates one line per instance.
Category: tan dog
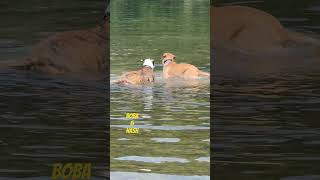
(79, 51)
(185, 71)
(251, 29)
(142, 76)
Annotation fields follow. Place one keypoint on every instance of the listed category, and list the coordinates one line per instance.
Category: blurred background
(48, 119)
(265, 122)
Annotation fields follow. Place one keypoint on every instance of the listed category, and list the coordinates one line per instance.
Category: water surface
(48, 119)
(265, 124)
(177, 114)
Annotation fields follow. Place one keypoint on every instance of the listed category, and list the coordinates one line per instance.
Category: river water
(48, 119)
(265, 122)
(173, 140)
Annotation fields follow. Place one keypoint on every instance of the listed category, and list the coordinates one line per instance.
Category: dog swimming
(143, 76)
(172, 69)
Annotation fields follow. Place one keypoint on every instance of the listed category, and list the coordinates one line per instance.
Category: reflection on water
(204, 159)
(174, 116)
(154, 176)
(173, 128)
(308, 177)
(166, 140)
(40, 178)
(156, 160)
(47, 119)
(269, 126)
(167, 128)
(150, 28)
(265, 123)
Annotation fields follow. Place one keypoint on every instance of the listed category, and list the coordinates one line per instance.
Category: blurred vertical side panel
(54, 90)
(266, 90)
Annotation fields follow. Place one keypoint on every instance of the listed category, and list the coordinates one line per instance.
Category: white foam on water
(203, 159)
(156, 160)
(169, 140)
(170, 128)
(147, 170)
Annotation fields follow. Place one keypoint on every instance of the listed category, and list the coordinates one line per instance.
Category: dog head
(149, 63)
(168, 57)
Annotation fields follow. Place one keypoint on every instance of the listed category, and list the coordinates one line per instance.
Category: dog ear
(164, 55)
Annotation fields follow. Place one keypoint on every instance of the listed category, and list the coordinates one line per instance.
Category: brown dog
(79, 51)
(142, 76)
(185, 71)
(251, 29)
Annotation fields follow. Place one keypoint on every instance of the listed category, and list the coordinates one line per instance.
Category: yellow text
(71, 171)
(132, 130)
(132, 115)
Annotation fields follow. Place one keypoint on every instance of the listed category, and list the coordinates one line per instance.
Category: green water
(147, 29)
